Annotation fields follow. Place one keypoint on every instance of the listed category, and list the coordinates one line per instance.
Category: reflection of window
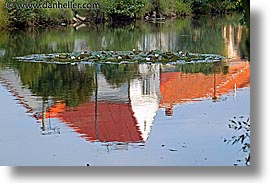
(2, 53)
(146, 86)
(80, 45)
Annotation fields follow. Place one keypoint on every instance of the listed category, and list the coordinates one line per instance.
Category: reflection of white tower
(52, 45)
(144, 95)
(232, 37)
(2, 53)
(81, 45)
(158, 40)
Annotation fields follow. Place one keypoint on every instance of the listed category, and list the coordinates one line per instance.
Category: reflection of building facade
(52, 46)
(232, 36)
(158, 40)
(11, 79)
(115, 114)
(2, 53)
(125, 113)
(81, 45)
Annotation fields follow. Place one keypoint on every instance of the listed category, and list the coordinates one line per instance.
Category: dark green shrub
(178, 7)
(124, 8)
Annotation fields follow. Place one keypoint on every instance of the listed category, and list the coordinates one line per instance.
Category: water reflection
(220, 36)
(121, 109)
(164, 106)
(118, 102)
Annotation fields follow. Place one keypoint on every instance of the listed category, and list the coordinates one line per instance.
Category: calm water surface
(126, 114)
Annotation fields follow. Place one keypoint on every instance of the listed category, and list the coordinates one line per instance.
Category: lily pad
(152, 56)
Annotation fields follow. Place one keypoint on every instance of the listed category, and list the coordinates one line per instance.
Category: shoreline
(114, 11)
(75, 24)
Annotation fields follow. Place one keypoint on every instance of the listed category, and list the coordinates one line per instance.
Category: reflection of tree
(73, 84)
(205, 68)
(205, 36)
(242, 131)
(63, 82)
(245, 44)
(117, 74)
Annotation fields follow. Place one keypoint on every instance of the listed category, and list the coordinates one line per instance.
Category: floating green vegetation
(154, 56)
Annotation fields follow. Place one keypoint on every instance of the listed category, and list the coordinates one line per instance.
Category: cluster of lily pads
(154, 56)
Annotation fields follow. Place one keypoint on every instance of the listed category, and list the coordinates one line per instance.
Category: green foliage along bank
(112, 10)
(4, 19)
(20, 17)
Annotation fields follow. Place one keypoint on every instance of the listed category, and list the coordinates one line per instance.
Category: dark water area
(127, 114)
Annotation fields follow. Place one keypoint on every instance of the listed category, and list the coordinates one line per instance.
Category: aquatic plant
(241, 126)
(153, 56)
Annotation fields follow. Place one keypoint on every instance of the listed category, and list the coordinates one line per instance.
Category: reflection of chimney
(43, 127)
(215, 98)
(169, 111)
(235, 91)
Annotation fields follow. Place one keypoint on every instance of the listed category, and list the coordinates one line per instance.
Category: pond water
(127, 114)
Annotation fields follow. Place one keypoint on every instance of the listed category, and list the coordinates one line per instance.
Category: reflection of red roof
(114, 122)
(177, 87)
(239, 74)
